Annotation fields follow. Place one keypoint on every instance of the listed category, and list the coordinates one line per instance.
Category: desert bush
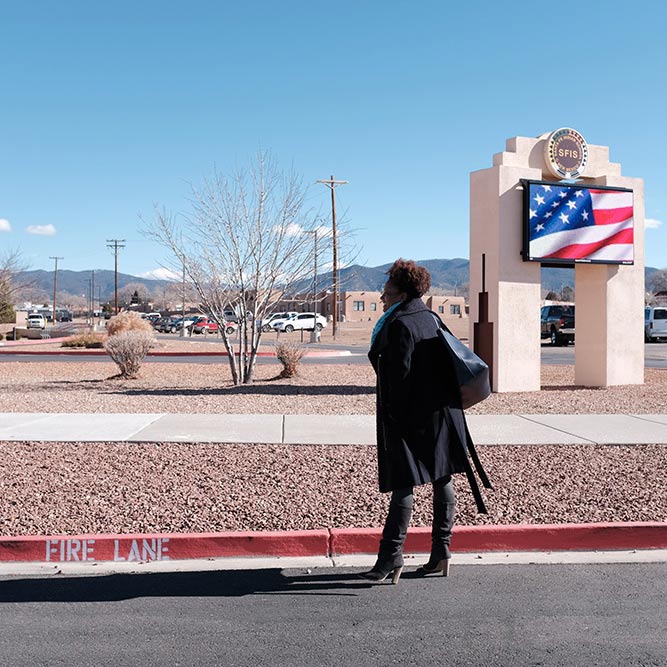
(87, 340)
(128, 350)
(289, 355)
(129, 321)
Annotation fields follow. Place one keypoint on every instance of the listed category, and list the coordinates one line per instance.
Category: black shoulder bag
(472, 373)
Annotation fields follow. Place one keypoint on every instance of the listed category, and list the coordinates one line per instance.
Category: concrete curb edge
(327, 542)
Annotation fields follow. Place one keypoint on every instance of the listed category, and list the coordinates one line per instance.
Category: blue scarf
(380, 323)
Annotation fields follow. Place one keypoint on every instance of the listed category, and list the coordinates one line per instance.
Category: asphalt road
(496, 616)
(655, 355)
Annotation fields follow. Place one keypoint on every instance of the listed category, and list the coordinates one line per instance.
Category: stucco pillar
(609, 302)
(513, 285)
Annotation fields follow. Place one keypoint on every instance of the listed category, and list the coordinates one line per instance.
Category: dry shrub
(87, 340)
(128, 321)
(289, 355)
(128, 350)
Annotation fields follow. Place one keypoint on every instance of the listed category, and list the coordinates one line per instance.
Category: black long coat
(421, 430)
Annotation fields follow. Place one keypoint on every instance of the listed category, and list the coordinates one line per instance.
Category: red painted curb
(524, 537)
(328, 542)
(159, 547)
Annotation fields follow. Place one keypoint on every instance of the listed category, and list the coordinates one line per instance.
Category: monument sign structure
(556, 200)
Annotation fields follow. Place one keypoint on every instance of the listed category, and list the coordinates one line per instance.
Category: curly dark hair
(410, 278)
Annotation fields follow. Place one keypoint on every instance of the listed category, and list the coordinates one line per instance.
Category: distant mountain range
(78, 283)
(447, 275)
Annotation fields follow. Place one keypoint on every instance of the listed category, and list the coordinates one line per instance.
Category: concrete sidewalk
(614, 429)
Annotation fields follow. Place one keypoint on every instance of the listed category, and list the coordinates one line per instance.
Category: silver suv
(655, 323)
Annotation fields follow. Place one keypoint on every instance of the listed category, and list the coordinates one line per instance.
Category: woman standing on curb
(421, 432)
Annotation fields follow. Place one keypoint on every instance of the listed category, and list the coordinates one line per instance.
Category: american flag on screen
(580, 223)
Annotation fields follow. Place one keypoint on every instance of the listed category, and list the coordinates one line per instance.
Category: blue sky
(108, 108)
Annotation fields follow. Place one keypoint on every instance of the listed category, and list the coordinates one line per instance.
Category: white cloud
(324, 232)
(293, 229)
(4, 225)
(41, 230)
(652, 223)
(161, 274)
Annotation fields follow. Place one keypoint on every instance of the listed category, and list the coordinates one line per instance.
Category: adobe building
(366, 306)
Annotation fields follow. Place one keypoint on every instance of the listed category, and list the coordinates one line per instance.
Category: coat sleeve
(397, 362)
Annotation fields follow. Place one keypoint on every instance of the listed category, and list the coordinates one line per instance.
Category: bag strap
(474, 487)
(475, 459)
(470, 448)
(439, 322)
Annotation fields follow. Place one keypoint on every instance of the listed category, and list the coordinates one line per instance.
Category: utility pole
(183, 303)
(332, 184)
(89, 301)
(315, 278)
(55, 285)
(114, 244)
(314, 232)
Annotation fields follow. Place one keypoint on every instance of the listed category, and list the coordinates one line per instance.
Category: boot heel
(396, 574)
(439, 567)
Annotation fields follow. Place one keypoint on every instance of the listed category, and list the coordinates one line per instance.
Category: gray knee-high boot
(396, 527)
(390, 554)
(444, 508)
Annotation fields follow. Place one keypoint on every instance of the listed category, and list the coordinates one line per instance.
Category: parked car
(307, 321)
(230, 316)
(36, 321)
(655, 323)
(160, 323)
(205, 325)
(557, 324)
(186, 322)
(266, 323)
(208, 325)
(169, 324)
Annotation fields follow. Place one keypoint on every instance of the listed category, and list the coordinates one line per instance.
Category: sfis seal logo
(566, 153)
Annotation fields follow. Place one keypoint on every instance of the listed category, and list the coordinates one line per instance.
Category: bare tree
(129, 291)
(11, 265)
(657, 281)
(244, 244)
